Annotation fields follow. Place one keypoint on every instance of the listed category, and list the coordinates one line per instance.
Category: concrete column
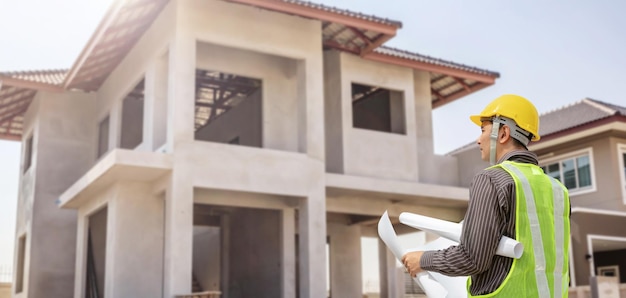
(388, 274)
(312, 244)
(311, 114)
(134, 254)
(178, 236)
(159, 116)
(181, 90)
(149, 116)
(345, 260)
(288, 238)
(423, 125)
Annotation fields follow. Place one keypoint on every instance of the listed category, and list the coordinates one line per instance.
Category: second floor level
(298, 80)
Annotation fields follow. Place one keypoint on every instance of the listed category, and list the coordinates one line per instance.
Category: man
(513, 198)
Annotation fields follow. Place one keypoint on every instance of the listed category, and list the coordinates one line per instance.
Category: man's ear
(505, 134)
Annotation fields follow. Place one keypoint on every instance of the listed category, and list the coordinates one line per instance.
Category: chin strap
(493, 141)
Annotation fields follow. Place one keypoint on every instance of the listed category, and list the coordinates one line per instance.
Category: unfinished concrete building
(225, 146)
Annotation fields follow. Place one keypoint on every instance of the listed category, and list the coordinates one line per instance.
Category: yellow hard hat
(514, 107)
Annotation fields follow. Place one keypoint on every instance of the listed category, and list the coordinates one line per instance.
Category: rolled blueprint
(424, 279)
(507, 247)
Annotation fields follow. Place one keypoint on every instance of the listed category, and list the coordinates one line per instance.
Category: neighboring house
(225, 146)
(584, 146)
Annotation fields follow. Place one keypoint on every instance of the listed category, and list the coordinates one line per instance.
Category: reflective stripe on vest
(540, 258)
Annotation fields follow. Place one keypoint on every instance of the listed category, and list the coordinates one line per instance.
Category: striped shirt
(490, 214)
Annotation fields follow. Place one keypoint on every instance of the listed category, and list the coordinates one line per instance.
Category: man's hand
(411, 262)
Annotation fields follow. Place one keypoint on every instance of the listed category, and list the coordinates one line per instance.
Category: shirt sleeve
(482, 230)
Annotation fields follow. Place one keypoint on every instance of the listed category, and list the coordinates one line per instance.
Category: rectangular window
(574, 171)
(103, 136)
(377, 108)
(21, 256)
(28, 153)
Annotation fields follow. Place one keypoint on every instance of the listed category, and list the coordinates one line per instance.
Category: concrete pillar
(181, 90)
(147, 143)
(311, 112)
(180, 132)
(134, 254)
(178, 236)
(345, 260)
(312, 244)
(423, 125)
(389, 275)
(160, 99)
(288, 238)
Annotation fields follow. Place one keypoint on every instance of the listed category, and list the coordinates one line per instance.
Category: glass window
(574, 173)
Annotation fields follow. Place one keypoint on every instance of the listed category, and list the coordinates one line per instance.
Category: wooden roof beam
(459, 94)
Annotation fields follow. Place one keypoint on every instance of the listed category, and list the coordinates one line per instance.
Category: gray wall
(132, 123)
(469, 164)
(255, 254)
(64, 148)
(583, 224)
(206, 257)
(333, 112)
(243, 121)
(279, 92)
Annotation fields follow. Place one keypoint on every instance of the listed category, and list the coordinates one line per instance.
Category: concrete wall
(333, 112)
(63, 149)
(372, 153)
(583, 224)
(135, 242)
(206, 257)
(469, 164)
(132, 123)
(279, 90)
(145, 60)
(255, 254)
(242, 122)
(345, 260)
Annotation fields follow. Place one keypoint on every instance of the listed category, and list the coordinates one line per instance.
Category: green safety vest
(542, 226)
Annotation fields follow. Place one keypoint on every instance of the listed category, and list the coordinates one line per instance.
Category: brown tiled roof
(431, 60)
(52, 77)
(577, 114)
(345, 12)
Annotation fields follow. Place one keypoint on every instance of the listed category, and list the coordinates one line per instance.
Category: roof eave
(614, 122)
(108, 18)
(20, 83)
(323, 15)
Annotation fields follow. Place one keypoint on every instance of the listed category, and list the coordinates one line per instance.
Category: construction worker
(514, 198)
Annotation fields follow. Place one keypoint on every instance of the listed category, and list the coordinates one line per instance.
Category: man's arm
(482, 230)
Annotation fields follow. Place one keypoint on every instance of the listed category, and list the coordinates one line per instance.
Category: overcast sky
(552, 52)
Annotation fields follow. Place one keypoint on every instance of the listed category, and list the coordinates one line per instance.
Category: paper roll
(387, 234)
(507, 247)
